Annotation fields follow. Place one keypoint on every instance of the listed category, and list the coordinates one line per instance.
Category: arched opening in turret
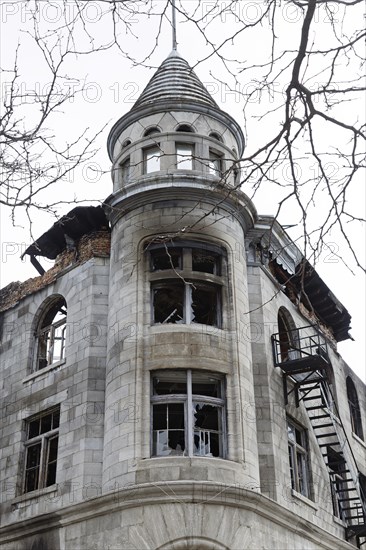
(185, 128)
(215, 135)
(151, 131)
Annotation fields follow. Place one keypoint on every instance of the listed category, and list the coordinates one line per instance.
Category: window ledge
(358, 439)
(339, 521)
(35, 494)
(186, 327)
(304, 499)
(43, 372)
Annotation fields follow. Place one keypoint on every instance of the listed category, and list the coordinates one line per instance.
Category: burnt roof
(80, 221)
(326, 305)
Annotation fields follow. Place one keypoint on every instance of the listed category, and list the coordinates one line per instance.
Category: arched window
(184, 128)
(287, 335)
(51, 334)
(151, 131)
(354, 408)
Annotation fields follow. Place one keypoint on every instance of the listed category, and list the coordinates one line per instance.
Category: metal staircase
(302, 355)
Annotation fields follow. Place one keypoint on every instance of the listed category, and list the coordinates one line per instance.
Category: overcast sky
(112, 83)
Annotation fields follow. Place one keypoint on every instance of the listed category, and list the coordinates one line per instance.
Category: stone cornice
(171, 187)
(187, 492)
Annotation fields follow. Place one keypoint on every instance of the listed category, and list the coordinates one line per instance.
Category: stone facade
(112, 486)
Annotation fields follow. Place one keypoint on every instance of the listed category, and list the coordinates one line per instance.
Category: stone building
(173, 381)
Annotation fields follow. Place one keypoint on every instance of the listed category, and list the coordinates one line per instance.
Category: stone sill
(32, 495)
(304, 499)
(42, 373)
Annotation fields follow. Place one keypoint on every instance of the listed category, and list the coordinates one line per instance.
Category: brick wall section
(96, 244)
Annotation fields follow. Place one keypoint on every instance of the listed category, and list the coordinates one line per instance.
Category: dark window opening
(187, 296)
(168, 429)
(181, 302)
(205, 302)
(166, 258)
(287, 336)
(205, 261)
(215, 135)
(354, 408)
(41, 451)
(168, 303)
(184, 128)
(151, 131)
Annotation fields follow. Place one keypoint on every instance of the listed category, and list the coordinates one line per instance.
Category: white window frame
(152, 153)
(300, 480)
(47, 337)
(188, 399)
(44, 440)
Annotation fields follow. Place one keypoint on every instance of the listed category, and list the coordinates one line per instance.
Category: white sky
(111, 86)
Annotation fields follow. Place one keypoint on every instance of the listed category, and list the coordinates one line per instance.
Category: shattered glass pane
(168, 429)
(168, 303)
(204, 304)
(206, 439)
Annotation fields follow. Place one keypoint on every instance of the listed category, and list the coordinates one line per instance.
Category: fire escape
(302, 356)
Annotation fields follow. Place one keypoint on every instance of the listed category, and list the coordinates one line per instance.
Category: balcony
(300, 350)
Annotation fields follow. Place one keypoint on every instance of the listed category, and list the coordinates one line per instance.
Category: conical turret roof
(174, 81)
(174, 87)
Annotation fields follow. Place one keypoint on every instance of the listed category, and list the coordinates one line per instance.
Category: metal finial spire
(174, 26)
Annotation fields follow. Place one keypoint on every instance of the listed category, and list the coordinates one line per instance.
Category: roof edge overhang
(160, 107)
(302, 275)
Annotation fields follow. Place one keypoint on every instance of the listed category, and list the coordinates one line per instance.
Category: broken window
(51, 335)
(298, 458)
(185, 295)
(41, 450)
(188, 414)
(186, 302)
(152, 159)
(184, 153)
(287, 336)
